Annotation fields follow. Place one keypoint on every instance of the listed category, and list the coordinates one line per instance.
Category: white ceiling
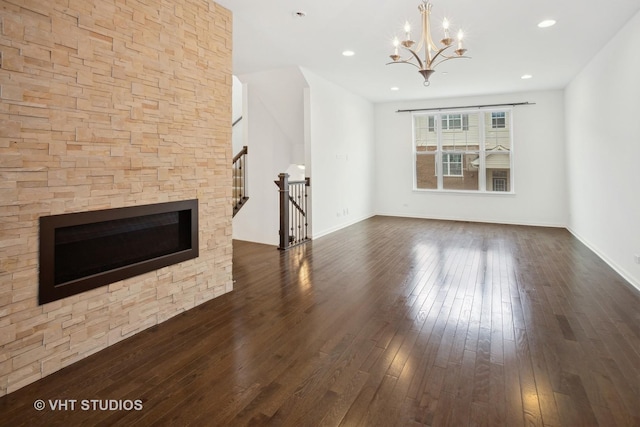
(502, 38)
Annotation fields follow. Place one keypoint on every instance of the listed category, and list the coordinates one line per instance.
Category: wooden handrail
(242, 152)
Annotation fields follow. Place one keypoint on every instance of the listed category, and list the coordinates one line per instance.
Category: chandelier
(433, 54)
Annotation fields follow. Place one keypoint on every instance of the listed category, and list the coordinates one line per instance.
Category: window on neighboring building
(450, 122)
(463, 151)
(498, 120)
(455, 121)
(499, 184)
(499, 180)
(451, 164)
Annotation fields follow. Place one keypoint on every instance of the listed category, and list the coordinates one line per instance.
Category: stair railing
(294, 213)
(239, 196)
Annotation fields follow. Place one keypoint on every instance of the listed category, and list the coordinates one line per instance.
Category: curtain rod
(513, 104)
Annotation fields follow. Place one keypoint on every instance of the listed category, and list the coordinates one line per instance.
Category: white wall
(539, 176)
(274, 126)
(603, 152)
(341, 160)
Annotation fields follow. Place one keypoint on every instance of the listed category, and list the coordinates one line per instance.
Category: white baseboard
(445, 218)
(316, 235)
(621, 271)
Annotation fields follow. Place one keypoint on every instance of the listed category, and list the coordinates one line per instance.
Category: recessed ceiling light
(395, 88)
(348, 53)
(526, 76)
(547, 23)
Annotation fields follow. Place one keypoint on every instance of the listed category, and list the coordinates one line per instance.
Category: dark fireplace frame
(49, 290)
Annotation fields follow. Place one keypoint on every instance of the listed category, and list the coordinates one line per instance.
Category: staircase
(240, 180)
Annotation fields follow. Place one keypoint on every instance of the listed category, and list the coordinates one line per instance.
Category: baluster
(241, 172)
(297, 212)
(292, 239)
(305, 210)
(235, 184)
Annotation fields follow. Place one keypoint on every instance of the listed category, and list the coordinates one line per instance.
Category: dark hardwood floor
(392, 321)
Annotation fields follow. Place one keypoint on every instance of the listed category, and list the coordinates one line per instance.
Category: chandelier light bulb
(447, 39)
(460, 50)
(396, 44)
(407, 28)
(408, 43)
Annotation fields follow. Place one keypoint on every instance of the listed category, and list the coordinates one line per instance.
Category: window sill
(464, 192)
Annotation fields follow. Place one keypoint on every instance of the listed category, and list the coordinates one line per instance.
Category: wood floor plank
(335, 413)
(390, 322)
(482, 372)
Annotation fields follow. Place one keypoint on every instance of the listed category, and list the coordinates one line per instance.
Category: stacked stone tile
(107, 104)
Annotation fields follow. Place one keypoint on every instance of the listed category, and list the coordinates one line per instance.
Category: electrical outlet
(637, 258)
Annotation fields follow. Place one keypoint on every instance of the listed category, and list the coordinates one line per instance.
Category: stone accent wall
(105, 104)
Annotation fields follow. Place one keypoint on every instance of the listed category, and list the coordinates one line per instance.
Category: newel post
(283, 185)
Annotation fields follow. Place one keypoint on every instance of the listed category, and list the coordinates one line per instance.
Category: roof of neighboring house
(496, 158)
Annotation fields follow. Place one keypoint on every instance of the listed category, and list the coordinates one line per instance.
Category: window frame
(481, 153)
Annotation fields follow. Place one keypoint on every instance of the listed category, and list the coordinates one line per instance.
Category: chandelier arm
(405, 61)
(446, 58)
(438, 54)
(415, 55)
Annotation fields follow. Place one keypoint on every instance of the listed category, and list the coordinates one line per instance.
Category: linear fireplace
(86, 250)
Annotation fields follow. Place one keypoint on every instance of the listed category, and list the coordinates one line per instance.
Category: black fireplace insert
(86, 250)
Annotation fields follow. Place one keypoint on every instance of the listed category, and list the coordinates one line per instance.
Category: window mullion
(511, 179)
(439, 169)
(482, 173)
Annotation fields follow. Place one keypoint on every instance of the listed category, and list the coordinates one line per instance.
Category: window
(500, 178)
(499, 184)
(468, 151)
(450, 122)
(498, 120)
(452, 164)
(455, 122)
